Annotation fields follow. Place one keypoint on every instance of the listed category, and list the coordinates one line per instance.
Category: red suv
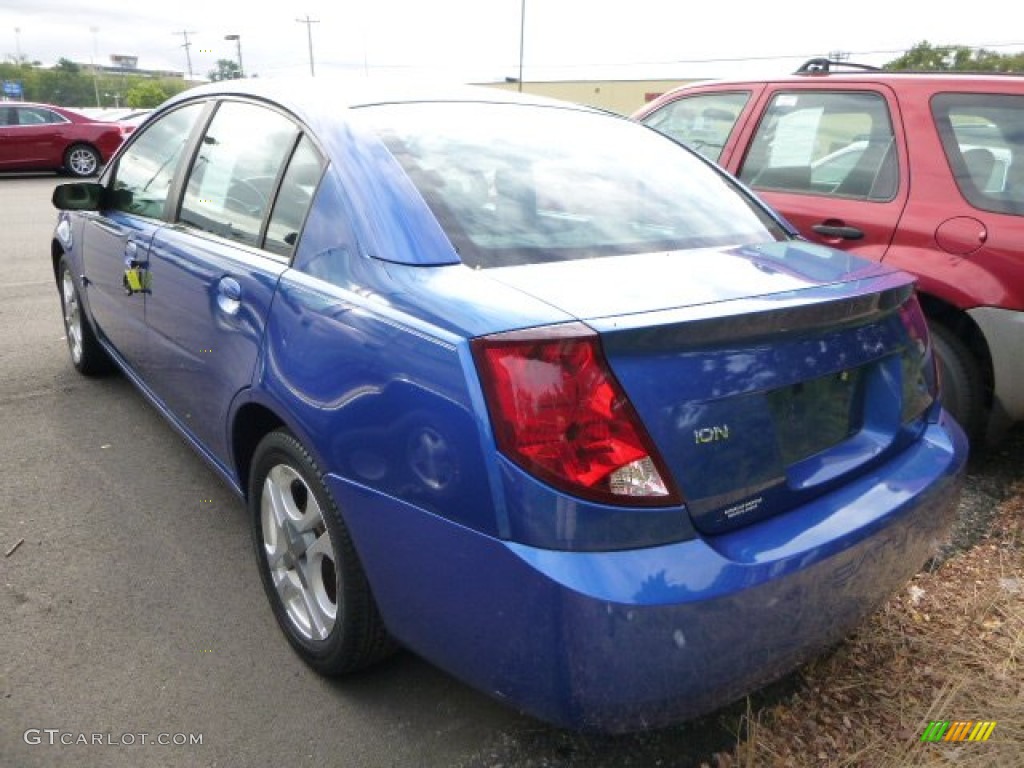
(41, 137)
(922, 171)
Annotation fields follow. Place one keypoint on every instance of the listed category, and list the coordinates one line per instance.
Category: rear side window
(231, 183)
(37, 116)
(701, 122)
(838, 144)
(293, 201)
(983, 138)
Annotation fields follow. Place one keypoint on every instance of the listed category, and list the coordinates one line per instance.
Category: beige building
(622, 96)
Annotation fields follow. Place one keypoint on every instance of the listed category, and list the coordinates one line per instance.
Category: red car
(922, 171)
(40, 137)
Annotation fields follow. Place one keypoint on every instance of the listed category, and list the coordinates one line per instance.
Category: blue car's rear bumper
(632, 639)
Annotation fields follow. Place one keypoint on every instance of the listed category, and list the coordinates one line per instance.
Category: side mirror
(78, 196)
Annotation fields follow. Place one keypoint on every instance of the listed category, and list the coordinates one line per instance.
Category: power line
(771, 57)
(723, 59)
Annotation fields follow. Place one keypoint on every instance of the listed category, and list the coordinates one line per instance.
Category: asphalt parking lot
(132, 605)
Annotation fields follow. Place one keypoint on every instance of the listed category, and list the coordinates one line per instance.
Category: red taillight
(558, 412)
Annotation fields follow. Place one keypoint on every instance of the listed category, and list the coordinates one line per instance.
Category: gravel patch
(991, 473)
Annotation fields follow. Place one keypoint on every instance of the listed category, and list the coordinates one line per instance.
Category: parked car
(131, 118)
(597, 435)
(922, 171)
(41, 137)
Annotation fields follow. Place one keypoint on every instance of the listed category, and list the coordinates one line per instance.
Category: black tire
(302, 518)
(88, 357)
(81, 160)
(963, 386)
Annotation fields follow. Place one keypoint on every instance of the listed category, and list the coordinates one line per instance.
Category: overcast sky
(478, 40)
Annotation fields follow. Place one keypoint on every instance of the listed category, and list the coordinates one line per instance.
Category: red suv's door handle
(838, 230)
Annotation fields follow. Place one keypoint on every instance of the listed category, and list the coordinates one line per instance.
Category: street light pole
(309, 33)
(238, 43)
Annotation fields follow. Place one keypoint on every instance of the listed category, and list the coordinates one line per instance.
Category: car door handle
(229, 295)
(838, 230)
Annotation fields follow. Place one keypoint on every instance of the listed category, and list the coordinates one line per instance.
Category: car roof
(927, 80)
(323, 97)
(325, 103)
(72, 114)
(54, 107)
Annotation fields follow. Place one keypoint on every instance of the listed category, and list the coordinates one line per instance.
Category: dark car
(598, 435)
(922, 171)
(41, 137)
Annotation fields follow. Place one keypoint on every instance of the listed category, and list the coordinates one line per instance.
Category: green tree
(62, 84)
(68, 66)
(70, 85)
(226, 70)
(19, 61)
(145, 95)
(947, 58)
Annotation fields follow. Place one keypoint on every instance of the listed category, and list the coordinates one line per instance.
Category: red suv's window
(825, 143)
(983, 137)
(701, 122)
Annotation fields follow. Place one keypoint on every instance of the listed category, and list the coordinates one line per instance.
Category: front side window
(838, 144)
(701, 122)
(231, 183)
(983, 139)
(515, 184)
(145, 170)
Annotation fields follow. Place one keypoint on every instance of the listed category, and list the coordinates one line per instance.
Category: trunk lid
(623, 285)
(780, 373)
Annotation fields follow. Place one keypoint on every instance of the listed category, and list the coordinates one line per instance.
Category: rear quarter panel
(381, 398)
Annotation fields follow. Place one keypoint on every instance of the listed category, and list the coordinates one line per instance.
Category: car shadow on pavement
(408, 689)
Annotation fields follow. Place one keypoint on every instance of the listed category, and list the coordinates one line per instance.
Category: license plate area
(814, 415)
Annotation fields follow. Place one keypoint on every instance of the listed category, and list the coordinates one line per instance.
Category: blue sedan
(518, 385)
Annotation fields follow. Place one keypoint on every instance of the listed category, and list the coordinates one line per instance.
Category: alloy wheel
(82, 161)
(72, 316)
(299, 552)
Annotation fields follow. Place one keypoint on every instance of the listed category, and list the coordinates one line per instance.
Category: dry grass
(949, 647)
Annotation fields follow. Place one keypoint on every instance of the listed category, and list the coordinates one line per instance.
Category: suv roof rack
(822, 66)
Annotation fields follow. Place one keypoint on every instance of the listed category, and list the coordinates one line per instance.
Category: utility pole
(92, 62)
(309, 33)
(188, 54)
(17, 44)
(522, 38)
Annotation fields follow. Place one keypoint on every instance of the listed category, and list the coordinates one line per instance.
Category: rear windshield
(514, 184)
